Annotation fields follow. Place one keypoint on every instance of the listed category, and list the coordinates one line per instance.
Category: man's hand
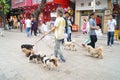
(97, 28)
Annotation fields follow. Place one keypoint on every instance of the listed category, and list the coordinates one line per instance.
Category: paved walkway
(79, 65)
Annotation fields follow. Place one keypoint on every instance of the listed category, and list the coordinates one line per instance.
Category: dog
(27, 52)
(35, 58)
(27, 46)
(70, 45)
(95, 52)
(49, 63)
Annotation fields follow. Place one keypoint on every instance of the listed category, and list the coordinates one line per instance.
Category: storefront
(28, 6)
(84, 9)
(50, 7)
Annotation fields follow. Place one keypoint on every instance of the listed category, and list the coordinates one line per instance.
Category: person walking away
(35, 26)
(58, 29)
(111, 27)
(84, 26)
(28, 26)
(69, 30)
(93, 27)
(88, 34)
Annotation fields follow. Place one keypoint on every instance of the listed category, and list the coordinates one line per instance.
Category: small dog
(49, 63)
(70, 45)
(35, 58)
(27, 46)
(27, 52)
(98, 52)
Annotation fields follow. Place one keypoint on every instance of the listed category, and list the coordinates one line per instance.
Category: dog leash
(39, 39)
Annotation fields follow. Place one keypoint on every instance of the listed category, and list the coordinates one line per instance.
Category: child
(88, 35)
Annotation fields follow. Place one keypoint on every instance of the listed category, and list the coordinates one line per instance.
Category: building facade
(84, 8)
(28, 6)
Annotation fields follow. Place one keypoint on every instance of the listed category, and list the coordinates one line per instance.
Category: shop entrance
(86, 14)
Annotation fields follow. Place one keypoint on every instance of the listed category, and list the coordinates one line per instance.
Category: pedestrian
(58, 29)
(93, 27)
(98, 21)
(84, 26)
(28, 26)
(44, 28)
(69, 30)
(88, 34)
(21, 25)
(11, 23)
(32, 26)
(35, 26)
(66, 15)
(111, 27)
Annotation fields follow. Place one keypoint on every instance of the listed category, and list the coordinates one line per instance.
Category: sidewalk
(79, 65)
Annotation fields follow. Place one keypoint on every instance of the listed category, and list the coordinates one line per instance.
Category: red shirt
(98, 20)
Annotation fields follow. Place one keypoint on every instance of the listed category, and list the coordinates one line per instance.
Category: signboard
(86, 4)
(53, 14)
(18, 1)
(39, 1)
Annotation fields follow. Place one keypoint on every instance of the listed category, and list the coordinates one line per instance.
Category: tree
(39, 9)
(4, 9)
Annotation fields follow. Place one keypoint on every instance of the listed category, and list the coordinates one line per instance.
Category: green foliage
(6, 6)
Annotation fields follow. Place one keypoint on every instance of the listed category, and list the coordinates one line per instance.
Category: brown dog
(95, 52)
(27, 52)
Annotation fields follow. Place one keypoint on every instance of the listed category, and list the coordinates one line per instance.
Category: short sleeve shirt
(28, 23)
(92, 22)
(111, 25)
(60, 27)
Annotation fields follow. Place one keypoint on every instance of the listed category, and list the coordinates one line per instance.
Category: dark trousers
(93, 39)
(110, 40)
(35, 32)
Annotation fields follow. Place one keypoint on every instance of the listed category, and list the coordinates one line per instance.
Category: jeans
(93, 39)
(57, 51)
(69, 37)
(110, 40)
(28, 31)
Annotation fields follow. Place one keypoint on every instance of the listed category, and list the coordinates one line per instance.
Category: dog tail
(54, 62)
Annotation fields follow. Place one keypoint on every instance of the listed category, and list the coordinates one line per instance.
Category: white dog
(70, 45)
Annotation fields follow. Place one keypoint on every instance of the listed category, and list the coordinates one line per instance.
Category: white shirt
(111, 25)
(44, 28)
(28, 23)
